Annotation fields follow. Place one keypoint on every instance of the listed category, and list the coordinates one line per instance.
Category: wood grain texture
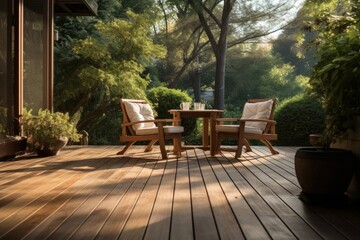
(89, 192)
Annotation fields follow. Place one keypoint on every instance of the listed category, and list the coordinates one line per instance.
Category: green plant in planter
(47, 131)
(335, 79)
(324, 174)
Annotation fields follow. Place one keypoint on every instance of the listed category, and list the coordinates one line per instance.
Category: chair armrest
(258, 120)
(228, 119)
(154, 121)
(244, 120)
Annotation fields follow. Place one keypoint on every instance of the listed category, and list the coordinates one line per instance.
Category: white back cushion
(139, 112)
(260, 110)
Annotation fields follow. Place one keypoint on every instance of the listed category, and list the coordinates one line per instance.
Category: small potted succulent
(48, 132)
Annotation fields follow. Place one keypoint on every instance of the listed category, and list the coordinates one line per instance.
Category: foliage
(106, 67)
(185, 42)
(259, 75)
(291, 44)
(296, 118)
(229, 23)
(335, 78)
(163, 99)
(46, 128)
(108, 128)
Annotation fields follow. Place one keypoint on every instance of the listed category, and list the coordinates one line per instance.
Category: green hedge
(163, 99)
(297, 117)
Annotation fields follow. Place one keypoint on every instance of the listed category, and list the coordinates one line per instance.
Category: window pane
(7, 116)
(34, 31)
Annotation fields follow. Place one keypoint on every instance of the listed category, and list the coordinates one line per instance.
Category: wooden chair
(139, 125)
(256, 123)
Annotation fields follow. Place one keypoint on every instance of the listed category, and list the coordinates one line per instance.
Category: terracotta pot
(321, 172)
(53, 150)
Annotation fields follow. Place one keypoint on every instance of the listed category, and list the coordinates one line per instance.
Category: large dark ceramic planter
(55, 148)
(11, 147)
(324, 174)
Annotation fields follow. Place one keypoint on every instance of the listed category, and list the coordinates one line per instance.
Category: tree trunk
(219, 47)
(219, 94)
(196, 79)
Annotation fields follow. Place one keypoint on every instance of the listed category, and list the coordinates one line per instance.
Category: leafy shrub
(107, 128)
(46, 128)
(297, 117)
(163, 99)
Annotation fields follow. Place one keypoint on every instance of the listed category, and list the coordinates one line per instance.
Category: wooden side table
(209, 116)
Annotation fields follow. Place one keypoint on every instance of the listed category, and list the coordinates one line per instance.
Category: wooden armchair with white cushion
(256, 123)
(139, 125)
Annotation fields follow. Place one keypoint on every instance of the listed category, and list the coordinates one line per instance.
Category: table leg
(205, 135)
(177, 141)
(213, 118)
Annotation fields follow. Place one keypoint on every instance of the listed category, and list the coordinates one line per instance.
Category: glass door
(35, 54)
(7, 79)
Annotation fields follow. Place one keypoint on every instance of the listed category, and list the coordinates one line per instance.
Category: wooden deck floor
(91, 193)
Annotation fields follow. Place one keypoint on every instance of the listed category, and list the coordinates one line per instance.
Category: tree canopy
(133, 46)
(106, 67)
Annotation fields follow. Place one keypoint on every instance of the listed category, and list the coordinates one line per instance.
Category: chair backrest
(265, 110)
(136, 110)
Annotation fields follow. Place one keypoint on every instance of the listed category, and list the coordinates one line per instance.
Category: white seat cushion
(235, 128)
(259, 110)
(139, 112)
(154, 130)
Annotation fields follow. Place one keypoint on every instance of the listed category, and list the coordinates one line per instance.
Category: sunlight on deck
(92, 193)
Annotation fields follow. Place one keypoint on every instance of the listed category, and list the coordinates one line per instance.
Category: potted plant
(323, 172)
(48, 132)
(10, 146)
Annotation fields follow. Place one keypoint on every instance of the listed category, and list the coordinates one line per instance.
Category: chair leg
(162, 141)
(150, 145)
(241, 142)
(129, 144)
(247, 145)
(177, 145)
(217, 144)
(239, 149)
(268, 144)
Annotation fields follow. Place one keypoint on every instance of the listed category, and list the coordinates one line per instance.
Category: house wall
(353, 144)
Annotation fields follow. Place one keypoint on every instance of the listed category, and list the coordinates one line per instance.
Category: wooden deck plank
(24, 171)
(136, 225)
(335, 219)
(117, 220)
(324, 229)
(181, 221)
(248, 221)
(284, 179)
(160, 220)
(274, 226)
(225, 220)
(204, 223)
(89, 192)
(33, 199)
(33, 213)
(264, 185)
(51, 174)
(92, 225)
(279, 160)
